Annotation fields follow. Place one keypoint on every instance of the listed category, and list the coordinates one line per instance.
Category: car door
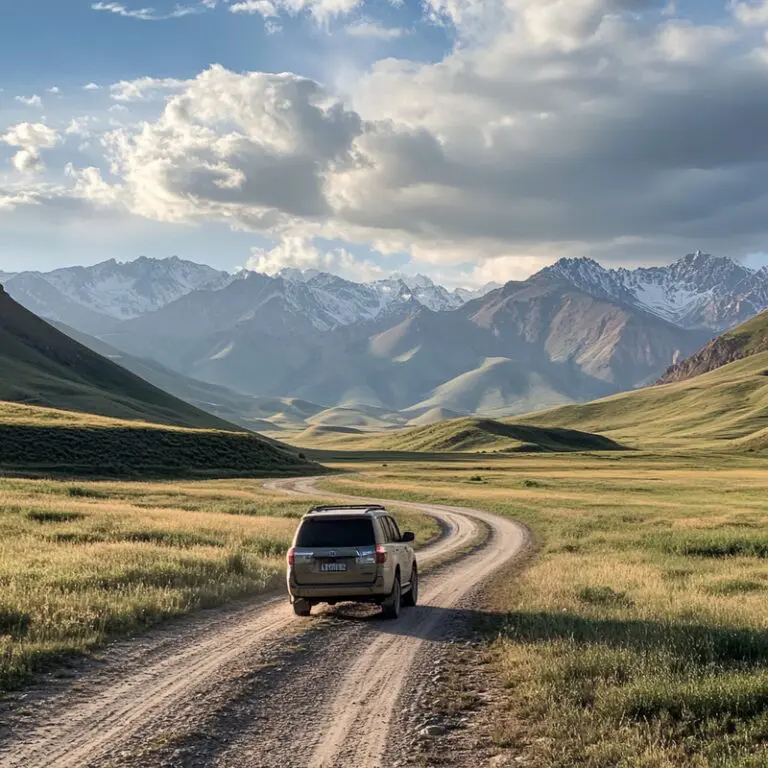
(404, 556)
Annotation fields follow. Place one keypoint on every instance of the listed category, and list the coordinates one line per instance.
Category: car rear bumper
(323, 592)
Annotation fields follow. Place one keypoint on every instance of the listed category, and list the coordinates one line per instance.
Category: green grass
(751, 336)
(726, 409)
(638, 636)
(82, 563)
(50, 441)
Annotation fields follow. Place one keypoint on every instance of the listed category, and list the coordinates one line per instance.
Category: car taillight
(292, 556)
(381, 554)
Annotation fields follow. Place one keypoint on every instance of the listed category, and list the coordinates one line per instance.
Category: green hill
(465, 435)
(47, 441)
(39, 365)
(724, 409)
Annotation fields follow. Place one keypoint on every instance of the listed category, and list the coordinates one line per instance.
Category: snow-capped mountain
(340, 302)
(698, 291)
(111, 290)
(329, 301)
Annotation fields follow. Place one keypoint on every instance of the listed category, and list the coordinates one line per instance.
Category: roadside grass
(639, 634)
(84, 562)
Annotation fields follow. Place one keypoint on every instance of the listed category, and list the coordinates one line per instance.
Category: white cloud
(751, 13)
(587, 127)
(30, 101)
(78, 126)
(27, 161)
(145, 88)
(374, 30)
(91, 87)
(301, 253)
(35, 135)
(150, 14)
(321, 10)
(249, 149)
(54, 89)
(31, 138)
(90, 185)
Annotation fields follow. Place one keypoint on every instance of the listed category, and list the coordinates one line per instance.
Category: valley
(405, 346)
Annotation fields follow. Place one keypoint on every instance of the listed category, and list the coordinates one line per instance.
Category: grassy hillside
(748, 339)
(43, 440)
(39, 365)
(721, 410)
(464, 435)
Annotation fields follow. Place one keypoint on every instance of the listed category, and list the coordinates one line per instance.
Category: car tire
(302, 607)
(391, 606)
(411, 597)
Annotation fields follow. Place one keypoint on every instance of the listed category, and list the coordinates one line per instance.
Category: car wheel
(302, 607)
(412, 595)
(391, 606)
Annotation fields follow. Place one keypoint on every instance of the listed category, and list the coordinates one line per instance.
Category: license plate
(333, 567)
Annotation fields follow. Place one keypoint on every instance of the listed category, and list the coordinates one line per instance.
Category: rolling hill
(724, 409)
(465, 435)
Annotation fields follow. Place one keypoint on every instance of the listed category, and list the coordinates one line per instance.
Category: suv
(352, 553)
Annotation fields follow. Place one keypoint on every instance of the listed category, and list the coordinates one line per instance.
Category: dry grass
(639, 635)
(83, 562)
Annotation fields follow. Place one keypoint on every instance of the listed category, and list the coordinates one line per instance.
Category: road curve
(200, 687)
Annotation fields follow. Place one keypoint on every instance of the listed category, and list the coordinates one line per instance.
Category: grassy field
(46, 440)
(82, 562)
(639, 635)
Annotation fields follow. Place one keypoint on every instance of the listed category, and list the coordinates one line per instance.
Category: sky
(470, 140)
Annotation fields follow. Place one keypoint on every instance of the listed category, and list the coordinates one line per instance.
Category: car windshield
(336, 532)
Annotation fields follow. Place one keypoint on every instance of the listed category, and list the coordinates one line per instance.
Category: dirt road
(256, 686)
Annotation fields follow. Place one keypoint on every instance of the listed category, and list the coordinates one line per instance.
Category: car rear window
(348, 532)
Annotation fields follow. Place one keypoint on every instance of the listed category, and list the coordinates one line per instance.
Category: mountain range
(572, 332)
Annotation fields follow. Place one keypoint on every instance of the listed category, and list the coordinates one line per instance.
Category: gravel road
(256, 686)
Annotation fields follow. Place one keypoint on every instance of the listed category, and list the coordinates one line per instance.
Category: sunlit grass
(83, 562)
(639, 635)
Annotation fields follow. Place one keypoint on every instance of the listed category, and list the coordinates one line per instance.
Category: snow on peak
(124, 290)
(697, 291)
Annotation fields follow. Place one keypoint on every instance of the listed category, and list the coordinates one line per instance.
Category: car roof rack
(330, 507)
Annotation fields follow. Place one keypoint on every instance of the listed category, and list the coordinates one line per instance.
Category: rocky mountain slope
(750, 338)
(698, 291)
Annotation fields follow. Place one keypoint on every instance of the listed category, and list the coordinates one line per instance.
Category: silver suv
(352, 553)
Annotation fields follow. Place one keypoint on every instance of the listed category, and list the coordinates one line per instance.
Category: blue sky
(472, 140)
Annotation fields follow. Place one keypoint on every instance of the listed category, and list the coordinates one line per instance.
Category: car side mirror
(408, 537)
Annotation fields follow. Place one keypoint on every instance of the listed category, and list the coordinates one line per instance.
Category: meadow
(85, 562)
(638, 634)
